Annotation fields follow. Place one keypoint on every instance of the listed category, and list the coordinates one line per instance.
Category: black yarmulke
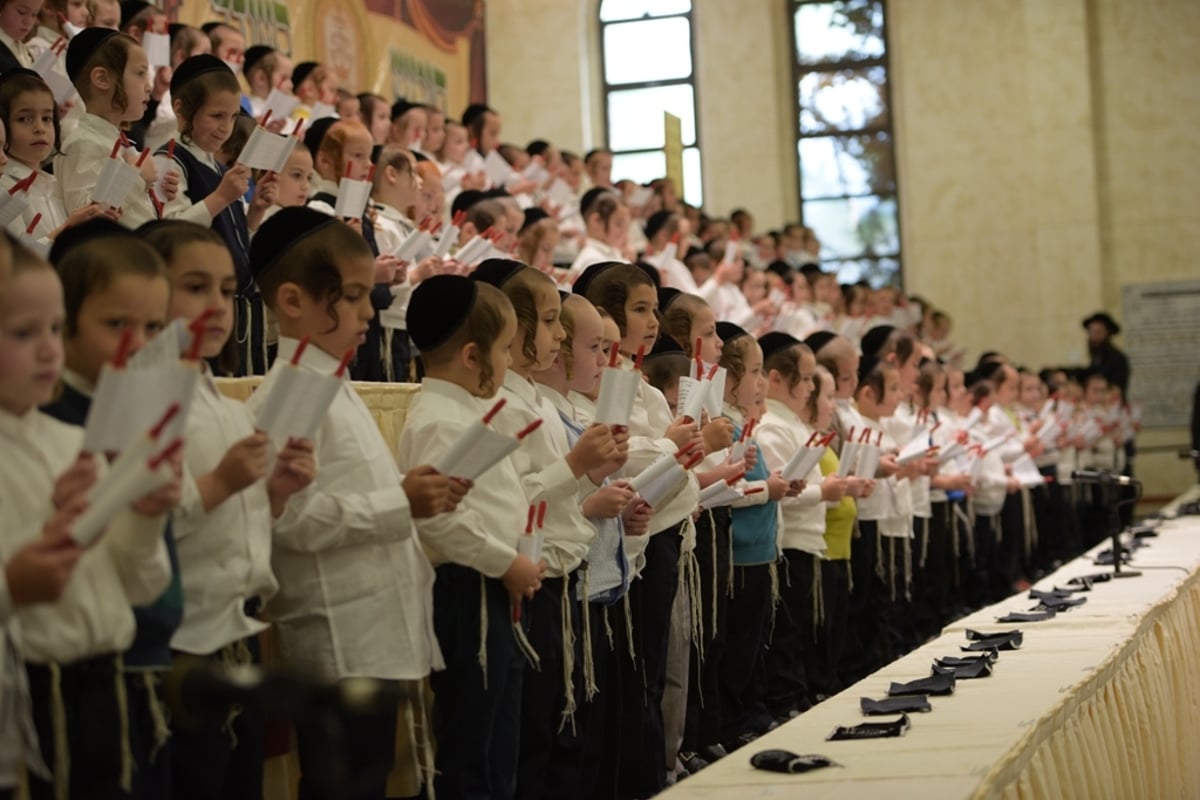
(84, 232)
(651, 273)
(130, 9)
(402, 107)
(656, 222)
(302, 71)
(728, 331)
(780, 268)
(497, 271)
(28, 73)
(473, 113)
(589, 199)
(281, 232)
(533, 216)
(811, 268)
(316, 134)
(818, 340)
(775, 341)
(438, 307)
(83, 45)
(665, 345)
(874, 340)
(176, 28)
(195, 66)
(1105, 319)
(866, 365)
(590, 274)
(253, 55)
(666, 296)
(466, 199)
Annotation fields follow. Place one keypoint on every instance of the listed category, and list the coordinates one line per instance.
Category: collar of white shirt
(314, 358)
(203, 156)
(390, 213)
(605, 249)
(18, 49)
(782, 411)
(524, 389)
(99, 127)
(18, 426)
(562, 405)
(78, 382)
(19, 172)
(451, 391)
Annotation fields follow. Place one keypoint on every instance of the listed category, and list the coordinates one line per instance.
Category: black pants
(250, 333)
(347, 754)
(934, 578)
(794, 662)
(212, 760)
(601, 727)
(899, 620)
(867, 647)
(702, 726)
(643, 741)
(549, 761)
(831, 639)
(1010, 550)
(152, 759)
(93, 719)
(477, 727)
(982, 583)
(741, 678)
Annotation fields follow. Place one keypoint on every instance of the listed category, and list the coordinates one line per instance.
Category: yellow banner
(673, 150)
(428, 51)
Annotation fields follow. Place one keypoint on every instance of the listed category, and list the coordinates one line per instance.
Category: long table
(1102, 701)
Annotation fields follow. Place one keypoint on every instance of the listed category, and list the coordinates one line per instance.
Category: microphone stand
(1115, 528)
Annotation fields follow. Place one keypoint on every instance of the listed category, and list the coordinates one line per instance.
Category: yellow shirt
(839, 519)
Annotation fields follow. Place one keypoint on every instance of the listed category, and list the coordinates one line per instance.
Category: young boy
(354, 584)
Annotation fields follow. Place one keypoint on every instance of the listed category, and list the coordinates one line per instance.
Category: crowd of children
(805, 483)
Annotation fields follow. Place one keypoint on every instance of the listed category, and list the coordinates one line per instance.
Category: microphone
(1187, 454)
(1102, 477)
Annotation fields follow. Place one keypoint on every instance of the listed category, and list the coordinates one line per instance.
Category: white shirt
(42, 40)
(18, 49)
(676, 275)
(901, 427)
(728, 303)
(594, 251)
(355, 589)
(226, 551)
(127, 565)
(781, 434)
(79, 165)
(891, 503)
(164, 126)
(482, 532)
(541, 464)
(391, 229)
(43, 199)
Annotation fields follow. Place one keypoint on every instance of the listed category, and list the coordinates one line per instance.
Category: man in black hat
(1104, 357)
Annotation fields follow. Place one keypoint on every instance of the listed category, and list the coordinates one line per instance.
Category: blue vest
(755, 527)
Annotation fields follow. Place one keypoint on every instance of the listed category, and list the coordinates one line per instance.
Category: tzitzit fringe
(908, 570)
(608, 630)
(891, 567)
(773, 576)
(730, 548)
(236, 654)
(880, 572)
(689, 572)
(629, 629)
(818, 595)
(924, 540)
(420, 735)
(590, 689)
(951, 524)
(62, 747)
(385, 355)
(712, 524)
(568, 650)
(158, 715)
(126, 779)
(857, 534)
(483, 629)
(1030, 522)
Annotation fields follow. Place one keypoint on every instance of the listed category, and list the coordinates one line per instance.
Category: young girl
(607, 219)
(629, 296)
(551, 617)
(464, 330)
(30, 118)
(74, 647)
(754, 529)
(797, 669)
(206, 98)
(223, 525)
(110, 72)
(354, 584)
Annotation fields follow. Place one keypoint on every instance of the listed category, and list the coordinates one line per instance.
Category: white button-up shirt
(126, 566)
(594, 251)
(225, 553)
(541, 464)
(355, 590)
(391, 229)
(781, 434)
(43, 199)
(482, 532)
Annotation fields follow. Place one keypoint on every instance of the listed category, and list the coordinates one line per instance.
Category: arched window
(844, 138)
(647, 53)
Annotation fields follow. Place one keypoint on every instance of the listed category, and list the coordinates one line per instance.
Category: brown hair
(192, 96)
(531, 238)
(926, 379)
(483, 326)
(819, 377)
(14, 86)
(901, 343)
(367, 103)
(267, 65)
(87, 270)
(400, 159)
(605, 205)
(874, 377)
(113, 56)
(333, 145)
(185, 40)
(610, 290)
(664, 371)
(786, 361)
(521, 289)
(678, 318)
(733, 359)
(484, 214)
(312, 264)
(567, 318)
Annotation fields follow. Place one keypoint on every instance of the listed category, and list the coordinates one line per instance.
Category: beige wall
(1046, 149)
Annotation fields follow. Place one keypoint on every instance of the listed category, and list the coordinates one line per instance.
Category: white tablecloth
(1103, 701)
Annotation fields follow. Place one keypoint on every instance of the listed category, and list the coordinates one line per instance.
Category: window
(646, 47)
(844, 143)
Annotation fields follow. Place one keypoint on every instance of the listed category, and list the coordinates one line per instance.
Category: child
(394, 191)
(223, 525)
(354, 585)
(312, 84)
(607, 219)
(660, 228)
(109, 71)
(18, 18)
(435, 130)
(568, 535)
(629, 296)
(206, 97)
(409, 121)
(374, 112)
(72, 647)
(30, 118)
(797, 670)
(265, 69)
(464, 330)
(537, 240)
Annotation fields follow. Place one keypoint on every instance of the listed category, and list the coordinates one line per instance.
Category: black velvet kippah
(193, 67)
(533, 216)
(866, 366)
(438, 307)
(497, 271)
(82, 46)
(816, 341)
(402, 107)
(656, 222)
(302, 71)
(665, 345)
(775, 341)
(84, 232)
(590, 274)
(316, 134)
(651, 273)
(728, 331)
(666, 296)
(281, 232)
(130, 9)
(254, 55)
(874, 339)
